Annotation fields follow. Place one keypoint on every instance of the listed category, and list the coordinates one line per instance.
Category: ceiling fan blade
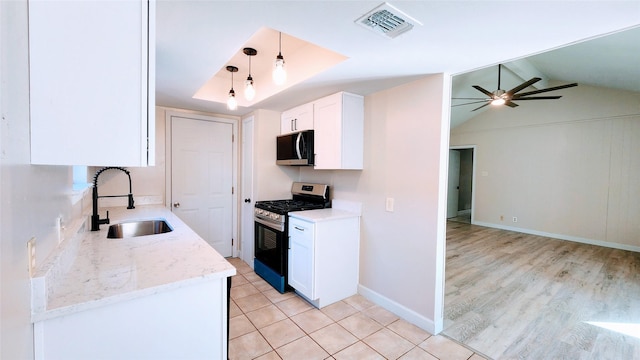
(469, 103)
(486, 92)
(524, 85)
(457, 98)
(480, 107)
(549, 89)
(511, 104)
(537, 98)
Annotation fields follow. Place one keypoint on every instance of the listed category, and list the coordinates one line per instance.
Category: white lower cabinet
(189, 322)
(324, 255)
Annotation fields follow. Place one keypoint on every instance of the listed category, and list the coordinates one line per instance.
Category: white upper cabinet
(338, 123)
(92, 82)
(297, 119)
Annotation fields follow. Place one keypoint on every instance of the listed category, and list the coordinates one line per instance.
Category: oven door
(271, 247)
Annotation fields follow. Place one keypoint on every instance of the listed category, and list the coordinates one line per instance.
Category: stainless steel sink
(138, 228)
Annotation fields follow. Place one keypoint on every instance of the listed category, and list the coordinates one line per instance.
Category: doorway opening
(460, 200)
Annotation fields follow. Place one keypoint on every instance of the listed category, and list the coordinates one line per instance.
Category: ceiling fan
(501, 97)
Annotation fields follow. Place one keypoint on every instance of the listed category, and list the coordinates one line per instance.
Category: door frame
(473, 175)
(247, 235)
(234, 163)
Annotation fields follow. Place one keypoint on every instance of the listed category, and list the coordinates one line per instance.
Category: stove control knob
(275, 216)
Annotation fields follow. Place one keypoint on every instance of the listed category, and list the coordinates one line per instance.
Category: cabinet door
(328, 132)
(92, 82)
(297, 119)
(301, 257)
(287, 122)
(338, 123)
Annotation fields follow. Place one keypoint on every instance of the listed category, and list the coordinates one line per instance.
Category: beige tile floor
(265, 324)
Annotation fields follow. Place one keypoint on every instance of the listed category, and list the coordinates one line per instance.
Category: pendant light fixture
(249, 89)
(232, 104)
(279, 72)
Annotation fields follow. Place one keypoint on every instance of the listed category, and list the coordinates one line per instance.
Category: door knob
(247, 200)
(176, 205)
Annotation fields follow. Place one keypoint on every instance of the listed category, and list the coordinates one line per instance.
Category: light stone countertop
(90, 270)
(318, 215)
(340, 209)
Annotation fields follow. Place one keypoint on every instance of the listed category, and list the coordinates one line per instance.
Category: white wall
(148, 183)
(32, 197)
(567, 168)
(270, 181)
(399, 254)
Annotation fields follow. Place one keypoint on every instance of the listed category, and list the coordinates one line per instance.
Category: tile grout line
(358, 309)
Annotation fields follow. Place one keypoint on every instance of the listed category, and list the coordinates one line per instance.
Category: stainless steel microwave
(295, 149)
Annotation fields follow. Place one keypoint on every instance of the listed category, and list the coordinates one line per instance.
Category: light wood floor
(516, 296)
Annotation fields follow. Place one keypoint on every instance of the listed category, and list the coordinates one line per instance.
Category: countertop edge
(323, 214)
(97, 303)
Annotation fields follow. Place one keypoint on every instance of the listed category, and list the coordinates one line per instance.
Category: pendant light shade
(249, 89)
(279, 72)
(232, 103)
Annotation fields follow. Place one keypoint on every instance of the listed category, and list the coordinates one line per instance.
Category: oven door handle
(269, 224)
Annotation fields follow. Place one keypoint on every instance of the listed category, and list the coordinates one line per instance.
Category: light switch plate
(31, 252)
(389, 204)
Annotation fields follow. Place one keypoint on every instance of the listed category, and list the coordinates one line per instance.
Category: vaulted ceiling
(609, 61)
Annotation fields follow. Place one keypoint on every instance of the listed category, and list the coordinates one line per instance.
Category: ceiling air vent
(387, 20)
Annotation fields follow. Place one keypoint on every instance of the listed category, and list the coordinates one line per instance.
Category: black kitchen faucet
(95, 218)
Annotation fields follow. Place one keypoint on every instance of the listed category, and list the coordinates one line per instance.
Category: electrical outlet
(515, 219)
(389, 205)
(31, 252)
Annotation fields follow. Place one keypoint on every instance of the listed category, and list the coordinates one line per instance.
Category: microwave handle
(298, 138)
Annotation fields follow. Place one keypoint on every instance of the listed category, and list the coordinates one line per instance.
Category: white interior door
(202, 179)
(454, 183)
(247, 227)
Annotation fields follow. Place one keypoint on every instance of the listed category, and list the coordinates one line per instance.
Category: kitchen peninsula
(153, 296)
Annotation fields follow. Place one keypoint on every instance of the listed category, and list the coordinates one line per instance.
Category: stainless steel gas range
(271, 233)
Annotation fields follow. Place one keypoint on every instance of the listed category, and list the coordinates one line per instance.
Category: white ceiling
(195, 39)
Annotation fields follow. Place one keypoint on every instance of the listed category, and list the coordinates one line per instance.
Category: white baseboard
(398, 309)
(562, 237)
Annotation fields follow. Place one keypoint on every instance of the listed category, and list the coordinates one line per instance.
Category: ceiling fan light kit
(501, 97)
